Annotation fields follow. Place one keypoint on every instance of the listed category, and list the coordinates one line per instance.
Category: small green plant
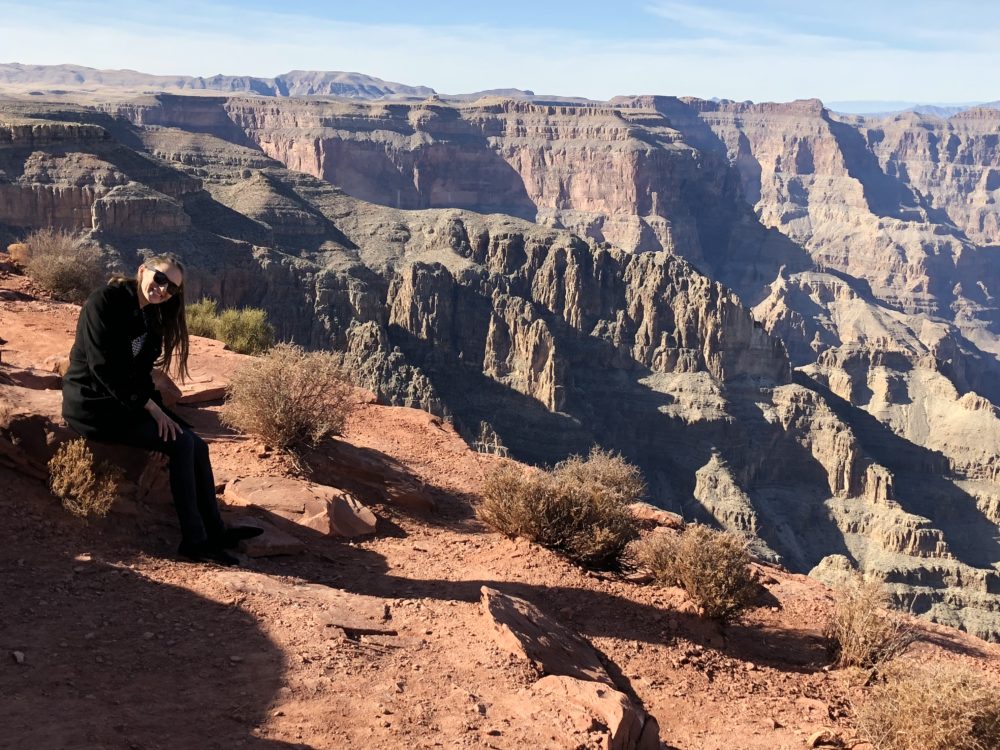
(60, 264)
(84, 488)
(244, 330)
(713, 567)
(930, 707)
(862, 633)
(202, 317)
(290, 397)
(579, 508)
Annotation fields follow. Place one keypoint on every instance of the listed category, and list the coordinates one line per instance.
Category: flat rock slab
(325, 509)
(581, 713)
(272, 543)
(30, 377)
(356, 614)
(211, 367)
(529, 633)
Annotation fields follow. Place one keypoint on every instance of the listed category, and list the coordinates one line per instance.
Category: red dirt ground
(125, 646)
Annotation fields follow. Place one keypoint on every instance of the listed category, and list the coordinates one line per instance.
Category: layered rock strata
(560, 342)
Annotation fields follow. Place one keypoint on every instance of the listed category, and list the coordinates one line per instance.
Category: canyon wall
(559, 341)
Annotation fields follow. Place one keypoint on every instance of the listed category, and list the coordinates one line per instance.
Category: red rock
(56, 364)
(650, 516)
(326, 509)
(30, 377)
(575, 708)
(273, 542)
(526, 631)
(211, 367)
(169, 391)
(354, 613)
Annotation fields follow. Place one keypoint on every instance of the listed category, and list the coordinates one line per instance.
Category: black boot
(206, 552)
(233, 535)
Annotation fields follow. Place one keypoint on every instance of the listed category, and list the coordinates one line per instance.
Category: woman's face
(158, 282)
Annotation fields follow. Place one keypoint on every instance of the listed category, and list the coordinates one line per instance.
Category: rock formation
(880, 448)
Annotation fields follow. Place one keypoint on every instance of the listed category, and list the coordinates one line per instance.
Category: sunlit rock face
(834, 417)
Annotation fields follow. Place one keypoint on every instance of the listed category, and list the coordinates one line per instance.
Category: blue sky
(768, 50)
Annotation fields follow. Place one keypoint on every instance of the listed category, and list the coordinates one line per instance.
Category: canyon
(784, 316)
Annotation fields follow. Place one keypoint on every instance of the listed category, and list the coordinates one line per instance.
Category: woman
(124, 330)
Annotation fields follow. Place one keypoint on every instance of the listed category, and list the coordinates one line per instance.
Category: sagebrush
(712, 566)
(60, 264)
(861, 632)
(930, 707)
(244, 330)
(290, 397)
(579, 508)
(84, 487)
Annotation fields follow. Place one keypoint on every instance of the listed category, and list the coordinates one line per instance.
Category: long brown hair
(173, 324)
(175, 335)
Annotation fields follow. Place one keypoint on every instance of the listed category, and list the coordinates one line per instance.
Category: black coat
(106, 387)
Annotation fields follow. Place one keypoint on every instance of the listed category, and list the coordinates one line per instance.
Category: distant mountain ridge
(883, 109)
(293, 83)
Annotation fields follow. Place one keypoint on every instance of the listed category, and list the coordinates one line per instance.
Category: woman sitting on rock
(125, 329)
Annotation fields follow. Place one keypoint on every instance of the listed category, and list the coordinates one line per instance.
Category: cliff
(559, 341)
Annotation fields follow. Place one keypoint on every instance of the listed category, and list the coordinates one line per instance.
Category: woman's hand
(166, 428)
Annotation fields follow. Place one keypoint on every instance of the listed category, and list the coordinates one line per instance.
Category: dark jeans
(191, 482)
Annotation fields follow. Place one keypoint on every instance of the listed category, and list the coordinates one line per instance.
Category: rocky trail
(385, 640)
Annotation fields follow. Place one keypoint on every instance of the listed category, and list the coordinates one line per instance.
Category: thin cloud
(714, 57)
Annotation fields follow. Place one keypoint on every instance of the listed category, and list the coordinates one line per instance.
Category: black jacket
(105, 386)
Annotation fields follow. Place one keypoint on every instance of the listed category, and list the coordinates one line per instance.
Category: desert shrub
(713, 567)
(58, 263)
(85, 488)
(861, 632)
(289, 397)
(244, 330)
(202, 318)
(606, 470)
(574, 509)
(930, 707)
(19, 254)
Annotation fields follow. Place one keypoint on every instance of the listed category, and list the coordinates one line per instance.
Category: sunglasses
(163, 281)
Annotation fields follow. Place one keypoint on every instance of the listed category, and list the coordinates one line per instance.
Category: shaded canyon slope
(495, 280)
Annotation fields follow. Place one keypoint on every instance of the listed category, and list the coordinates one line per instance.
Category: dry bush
(61, 265)
(930, 707)
(605, 469)
(575, 509)
(85, 488)
(862, 633)
(713, 567)
(19, 253)
(289, 397)
(245, 330)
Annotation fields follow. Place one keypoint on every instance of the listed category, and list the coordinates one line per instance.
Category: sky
(766, 50)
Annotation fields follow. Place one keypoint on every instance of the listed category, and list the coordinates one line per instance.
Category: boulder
(325, 509)
(526, 631)
(582, 713)
(649, 516)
